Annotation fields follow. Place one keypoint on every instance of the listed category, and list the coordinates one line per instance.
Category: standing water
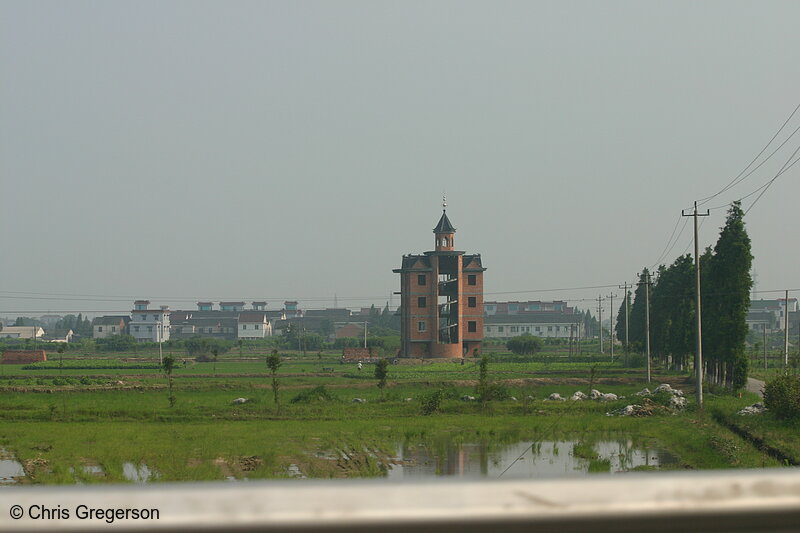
(11, 470)
(525, 459)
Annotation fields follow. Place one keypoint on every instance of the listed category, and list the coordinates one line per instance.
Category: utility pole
(647, 322)
(571, 328)
(625, 287)
(365, 334)
(764, 327)
(698, 358)
(600, 320)
(786, 331)
(611, 325)
(646, 284)
(160, 336)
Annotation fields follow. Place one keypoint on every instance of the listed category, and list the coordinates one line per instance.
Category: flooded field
(443, 457)
(11, 470)
(525, 460)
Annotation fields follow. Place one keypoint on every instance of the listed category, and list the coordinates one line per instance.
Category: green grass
(64, 427)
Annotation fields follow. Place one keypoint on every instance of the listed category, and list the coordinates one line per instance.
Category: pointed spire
(444, 225)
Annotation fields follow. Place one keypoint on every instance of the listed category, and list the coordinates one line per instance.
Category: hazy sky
(272, 150)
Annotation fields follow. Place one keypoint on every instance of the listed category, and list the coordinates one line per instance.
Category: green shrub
(317, 394)
(449, 392)
(496, 391)
(782, 396)
(431, 402)
(525, 344)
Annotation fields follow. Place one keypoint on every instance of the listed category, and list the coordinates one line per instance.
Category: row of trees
(725, 298)
(79, 324)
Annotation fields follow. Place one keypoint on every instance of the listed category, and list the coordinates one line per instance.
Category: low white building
(253, 325)
(149, 325)
(545, 325)
(22, 332)
(106, 326)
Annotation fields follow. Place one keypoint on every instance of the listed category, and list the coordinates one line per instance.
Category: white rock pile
(666, 387)
(755, 409)
(594, 394)
(676, 402)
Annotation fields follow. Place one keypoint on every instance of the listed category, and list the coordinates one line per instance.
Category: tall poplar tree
(636, 329)
(672, 315)
(727, 301)
(619, 328)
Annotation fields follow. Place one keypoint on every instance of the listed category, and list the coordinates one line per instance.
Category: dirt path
(755, 385)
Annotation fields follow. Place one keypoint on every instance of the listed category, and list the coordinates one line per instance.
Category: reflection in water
(138, 473)
(10, 471)
(538, 459)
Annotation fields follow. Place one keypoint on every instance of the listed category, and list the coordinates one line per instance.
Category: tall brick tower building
(441, 299)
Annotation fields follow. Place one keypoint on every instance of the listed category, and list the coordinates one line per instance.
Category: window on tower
(472, 279)
(422, 302)
(422, 279)
(472, 301)
(472, 326)
(421, 325)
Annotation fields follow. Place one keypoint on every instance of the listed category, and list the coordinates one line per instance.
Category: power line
(739, 178)
(691, 240)
(783, 169)
(568, 300)
(117, 297)
(554, 290)
(743, 174)
(17, 295)
(668, 248)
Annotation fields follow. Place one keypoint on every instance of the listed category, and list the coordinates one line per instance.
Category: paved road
(755, 385)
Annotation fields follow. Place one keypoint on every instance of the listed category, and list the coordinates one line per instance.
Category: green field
(65, 425)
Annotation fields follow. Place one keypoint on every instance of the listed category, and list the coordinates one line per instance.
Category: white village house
(253, 325)
(149, 325)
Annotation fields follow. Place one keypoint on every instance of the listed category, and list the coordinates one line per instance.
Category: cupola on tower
(441, 299)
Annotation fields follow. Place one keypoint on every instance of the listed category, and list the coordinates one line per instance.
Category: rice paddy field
(97, 420)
